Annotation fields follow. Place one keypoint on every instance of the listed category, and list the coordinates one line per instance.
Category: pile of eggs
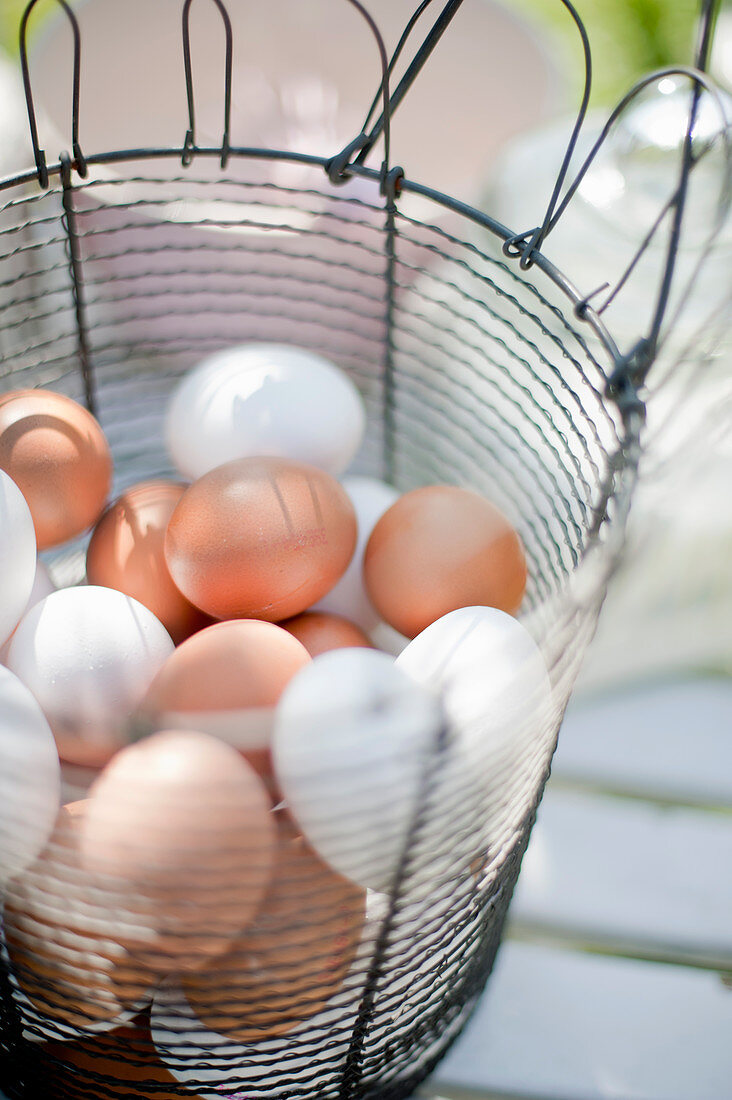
(255, 759)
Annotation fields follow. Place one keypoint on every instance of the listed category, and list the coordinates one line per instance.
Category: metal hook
(395, 57)
(534, 240)
(38, 153)
(435, 34)
(337, 166)
(189, 143)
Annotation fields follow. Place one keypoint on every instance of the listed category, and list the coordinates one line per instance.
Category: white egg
(30, 778)
(42, 586)
(17, 555)
(498, 703)
(89, 654)
(353, 739)
(264, 399)
(370, 498)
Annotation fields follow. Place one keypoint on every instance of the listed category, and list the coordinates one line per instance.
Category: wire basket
(480, 365)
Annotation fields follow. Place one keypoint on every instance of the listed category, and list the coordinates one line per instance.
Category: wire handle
(415, 67)
(79, 162)
(337, 168)
(189, 143)
(631, 369)
(524, 245)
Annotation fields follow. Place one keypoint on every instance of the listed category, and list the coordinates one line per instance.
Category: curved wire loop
(637, 364)
(189, 144)
(413, 70)
(524, 245)
(392, 63)
(79, 162)
(337, 167)
(631, 370)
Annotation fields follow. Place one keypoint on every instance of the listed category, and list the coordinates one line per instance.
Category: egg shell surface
(228, 666)
(57, 454)
(440, 548)
(42, 586)
(260, 538)
(180, 831)
(353, 736)
(320, 632)
(293, 958)
(225, 681)
(124, 1058)
(67, 953)
(17, 555)
(499, 705)
(30, 778)
(88, 655)
(370, 498)
(264, 399)
(127, 552)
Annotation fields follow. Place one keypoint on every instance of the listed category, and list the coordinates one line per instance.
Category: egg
(264, 399)
(126, 552)
(438, 549)
(370, 498)
(67, 968)
(58, 456)
(17, 555)
(219, 1066)
(88, 655)
(353, 738)
(292, 959)
(225, 681)
(498, 700)
(119, 1065)
(319, 632)
(30, 778)
(260, 538)
(42, 586)
(180, 832)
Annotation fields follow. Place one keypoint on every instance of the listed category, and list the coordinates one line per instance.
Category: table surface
(615, 977)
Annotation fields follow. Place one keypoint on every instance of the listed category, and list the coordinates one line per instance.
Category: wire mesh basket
(481, 366)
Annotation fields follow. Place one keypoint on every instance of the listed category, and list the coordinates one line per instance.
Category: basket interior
(473, 373)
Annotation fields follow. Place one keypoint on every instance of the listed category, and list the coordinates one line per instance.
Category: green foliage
(628, 37)
(10, 13)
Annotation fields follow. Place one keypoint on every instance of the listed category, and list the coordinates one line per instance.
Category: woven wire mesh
(473, 373)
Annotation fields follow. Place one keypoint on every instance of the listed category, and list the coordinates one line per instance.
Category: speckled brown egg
(319, 631)
(260, 538)
(294, 957)
(126, 552)
(440, 548)
(56, 453)
(225, 681)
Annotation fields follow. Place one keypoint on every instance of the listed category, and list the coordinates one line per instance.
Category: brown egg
(122, 1059)
(319, 631)
(180, 832)
(126, 552)
(226, 681)
(63, 945)
(260, 538)
(438, 549)
(228, 666)
(294, 957)
(56, 453)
